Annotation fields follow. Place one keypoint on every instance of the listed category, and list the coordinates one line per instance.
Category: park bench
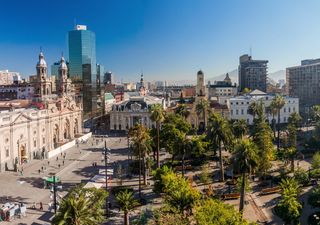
(230, 196)
(179, 168)
(267, 191)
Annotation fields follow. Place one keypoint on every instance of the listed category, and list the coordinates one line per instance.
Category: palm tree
(219, 133)
(201, 108)
(273, 111)
(81, 207)
(239, 128)
(182, 110)
(279, 102)
(126, 202)
(294, 119)
(142, 145)
(246, 158)
(157, 115)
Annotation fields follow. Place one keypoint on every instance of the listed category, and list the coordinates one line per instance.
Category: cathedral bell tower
(43, 86)
(64, 83)
(200, 88)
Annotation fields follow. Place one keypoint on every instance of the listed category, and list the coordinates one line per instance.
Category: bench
(267, 191)
(230, 196)
(179, 168)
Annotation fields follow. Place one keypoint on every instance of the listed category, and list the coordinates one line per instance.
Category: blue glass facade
(82, 66)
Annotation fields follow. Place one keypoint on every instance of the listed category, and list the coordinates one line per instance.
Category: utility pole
(54, 194)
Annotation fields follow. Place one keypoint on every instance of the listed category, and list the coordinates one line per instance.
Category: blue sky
(167, 39)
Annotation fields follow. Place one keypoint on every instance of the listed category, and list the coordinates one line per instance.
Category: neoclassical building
(30, 133)
(135, 109)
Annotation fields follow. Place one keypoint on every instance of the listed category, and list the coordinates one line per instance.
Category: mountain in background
(275, 76)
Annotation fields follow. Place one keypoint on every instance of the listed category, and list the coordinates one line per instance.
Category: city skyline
(152, 37)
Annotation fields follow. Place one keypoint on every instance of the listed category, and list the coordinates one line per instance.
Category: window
(231, 111)
(284, 109)
(34, 143)
(248, 121)
(7, 152)
(294, 109)
(241, 111)
(237, 111)
(237, 103)
(284, 119)
(289, 109)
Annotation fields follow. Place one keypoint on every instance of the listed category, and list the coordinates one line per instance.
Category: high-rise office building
(252, 73)
(82, 66)
(303, 82)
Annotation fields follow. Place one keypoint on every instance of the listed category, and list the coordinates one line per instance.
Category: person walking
(39, 171)
(59, 166)
(63, 162)
(41, 206)
(57, 158)
(48, 163)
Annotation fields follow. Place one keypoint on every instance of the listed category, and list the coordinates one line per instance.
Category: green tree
(279, 102)
(295, 119)
(314, 198)
(246, 158)
(179, 193)
(315, 162)
(262, 137)
(273, 111)
(202, 108)
(126, 202)
(157, 115)
(182, 110)
(141, 142)
(81, 206)
(290, 153)
(301, 176)
(214, 212)
(239, 128)
(219, 133)
(157, 176)
(289, 208)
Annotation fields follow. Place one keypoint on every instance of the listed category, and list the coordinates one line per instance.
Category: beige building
(28, 134)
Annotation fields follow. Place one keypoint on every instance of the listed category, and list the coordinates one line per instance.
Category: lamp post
(54, 194)
(106, 171)
(19, 156)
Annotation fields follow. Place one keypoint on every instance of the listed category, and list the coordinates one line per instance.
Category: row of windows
(242, 111)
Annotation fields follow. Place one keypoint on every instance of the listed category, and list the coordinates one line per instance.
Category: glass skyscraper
(82, 66)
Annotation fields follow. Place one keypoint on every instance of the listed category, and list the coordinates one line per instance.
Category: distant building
(109, 100)
(303, 82)
(239, 106)
(55, 68)
(8, 78)
(126, 114)
(222, 88)
(17, 91)
(252, 73)
(108, 78)
(83, 66)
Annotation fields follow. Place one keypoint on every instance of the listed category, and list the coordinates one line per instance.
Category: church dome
(200, 72)
(41, 61)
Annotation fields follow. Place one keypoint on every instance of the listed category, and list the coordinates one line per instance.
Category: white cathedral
(31, 133)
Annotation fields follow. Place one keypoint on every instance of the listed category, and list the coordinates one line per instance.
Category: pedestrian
(41, 206)
(59, 166)
(39, 171)
(21, 173)
(48, 162)
(57, 158)
(63, 162)
(61, 153)
(34, 205)
(42, 168)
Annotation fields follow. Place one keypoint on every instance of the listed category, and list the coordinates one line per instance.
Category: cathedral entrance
(23, 154)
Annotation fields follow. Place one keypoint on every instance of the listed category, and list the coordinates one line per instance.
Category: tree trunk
(126, 218)
(242, 193)
(292, 164)
(274, 126)
(204, 120)
(183, 166)
(140, 171)
(278, 142)
(158, 144)
(144, 171)
(221, 163)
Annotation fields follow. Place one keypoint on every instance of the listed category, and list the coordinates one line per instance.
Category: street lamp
(106, 157)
